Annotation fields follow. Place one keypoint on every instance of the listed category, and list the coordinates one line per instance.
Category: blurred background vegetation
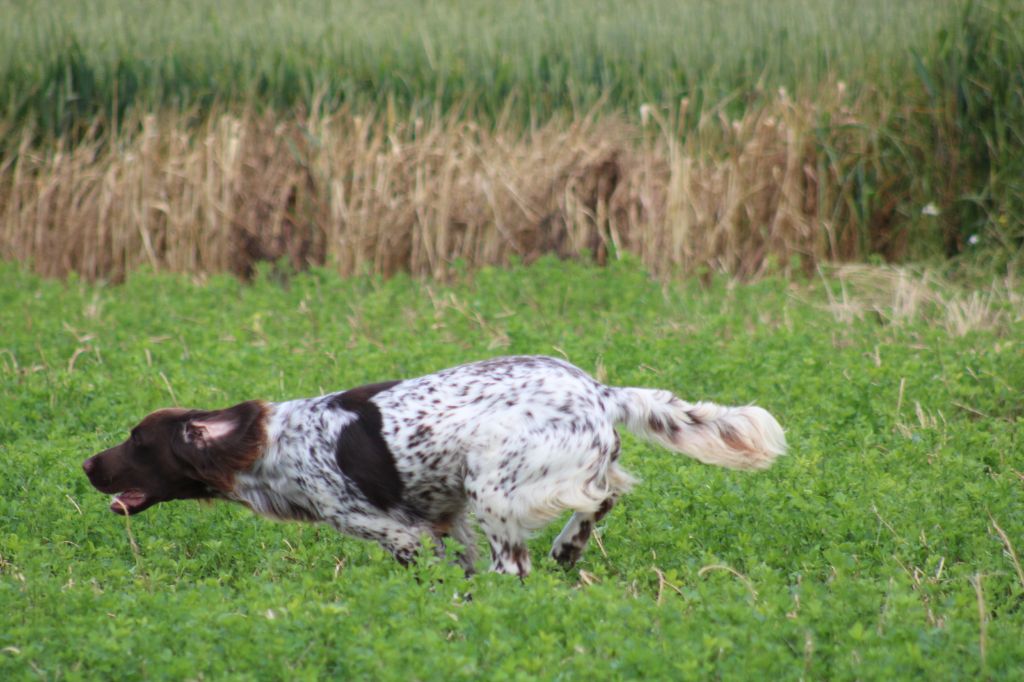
(911, 114)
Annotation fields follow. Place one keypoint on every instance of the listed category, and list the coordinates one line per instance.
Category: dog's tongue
(128, 501)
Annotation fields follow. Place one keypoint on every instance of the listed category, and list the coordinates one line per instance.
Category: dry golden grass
(904, 295)
(366, 194)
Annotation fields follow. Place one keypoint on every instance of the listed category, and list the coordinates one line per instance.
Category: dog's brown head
(177, 454)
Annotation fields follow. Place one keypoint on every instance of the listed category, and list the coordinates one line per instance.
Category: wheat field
(379, 139)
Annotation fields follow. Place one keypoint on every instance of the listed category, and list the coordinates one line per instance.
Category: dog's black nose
(88, 465)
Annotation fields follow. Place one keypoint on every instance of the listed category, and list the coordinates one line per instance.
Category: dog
(514, 440)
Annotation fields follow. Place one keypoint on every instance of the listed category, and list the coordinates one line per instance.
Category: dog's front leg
(402, 540)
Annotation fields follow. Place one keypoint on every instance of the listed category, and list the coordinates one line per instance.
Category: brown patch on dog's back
(362, 453)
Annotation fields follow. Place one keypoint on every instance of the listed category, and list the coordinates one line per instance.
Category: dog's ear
(208, 430)
(216, 445)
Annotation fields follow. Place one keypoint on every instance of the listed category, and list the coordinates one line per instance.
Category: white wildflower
(645, 113)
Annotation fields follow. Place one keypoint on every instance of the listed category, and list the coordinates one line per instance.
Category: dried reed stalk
(366, 195)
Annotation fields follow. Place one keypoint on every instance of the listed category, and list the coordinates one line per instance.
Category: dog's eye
(134, 438)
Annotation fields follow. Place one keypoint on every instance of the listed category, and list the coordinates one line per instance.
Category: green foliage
(861, 555)
(975, 85)
(63, 63)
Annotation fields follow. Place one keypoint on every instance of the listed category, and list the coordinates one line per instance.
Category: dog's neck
(282, 482)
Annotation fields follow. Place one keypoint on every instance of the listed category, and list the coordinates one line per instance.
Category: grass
(886, 545)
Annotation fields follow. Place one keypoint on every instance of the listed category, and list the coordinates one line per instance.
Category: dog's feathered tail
(734, 437)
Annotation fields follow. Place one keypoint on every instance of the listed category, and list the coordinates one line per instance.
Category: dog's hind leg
(509, 553)
(569, 545)
(464, 533)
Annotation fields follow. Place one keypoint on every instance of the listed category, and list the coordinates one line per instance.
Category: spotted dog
(514, 440)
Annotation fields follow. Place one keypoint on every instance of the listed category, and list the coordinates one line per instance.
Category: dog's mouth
(131, 502)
